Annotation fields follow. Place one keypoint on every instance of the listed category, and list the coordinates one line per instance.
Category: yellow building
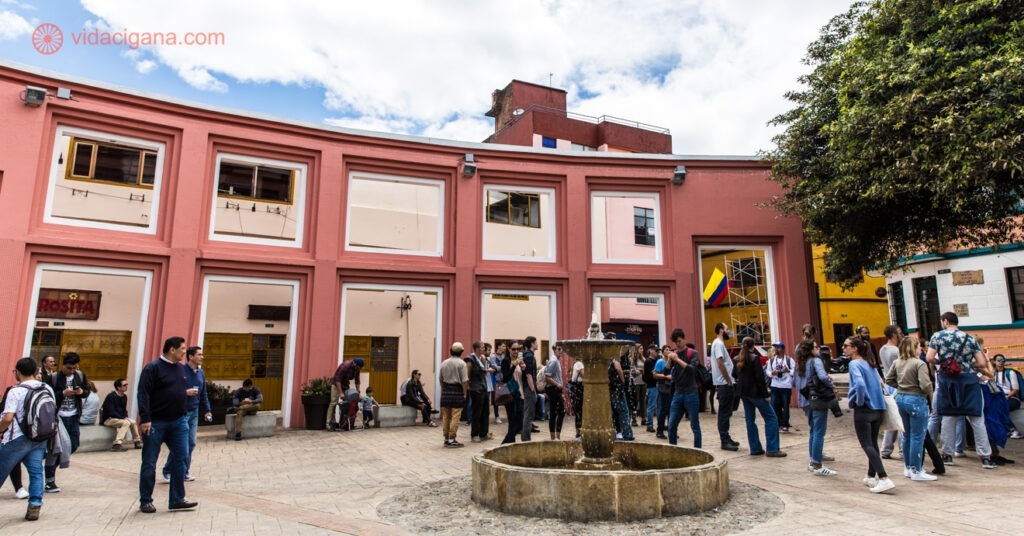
(842, 311)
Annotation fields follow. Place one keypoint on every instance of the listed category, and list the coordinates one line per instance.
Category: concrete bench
(1017, 417)
(392, 416)
(95, 438)
(261, 424)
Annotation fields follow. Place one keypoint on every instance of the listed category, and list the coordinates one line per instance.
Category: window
(746, 272)
(119, 164)
(395, 215)
(265, 183)
(513, 208)
(581, 147)
(550, 143)
(1015, 282)
(267, 356)
(643, 226)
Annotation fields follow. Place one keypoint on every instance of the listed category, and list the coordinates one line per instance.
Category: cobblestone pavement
(304, 482)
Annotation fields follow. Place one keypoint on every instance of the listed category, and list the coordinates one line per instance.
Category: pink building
(282, 247)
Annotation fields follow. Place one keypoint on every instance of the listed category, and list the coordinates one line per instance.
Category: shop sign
(69, 304)
(634, 329)
(968, 277)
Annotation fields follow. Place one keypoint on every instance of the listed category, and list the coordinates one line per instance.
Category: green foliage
(909, 133)
(216, 392)
(317, 386)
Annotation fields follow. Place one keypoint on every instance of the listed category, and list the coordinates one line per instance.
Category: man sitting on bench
(247, 402)
(115, 415)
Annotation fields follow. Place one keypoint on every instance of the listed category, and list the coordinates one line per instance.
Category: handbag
(502, 394)
(891, 419)
(513, 387)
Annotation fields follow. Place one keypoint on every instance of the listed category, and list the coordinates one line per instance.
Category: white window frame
(658, 241)
(139, 358)
(656, 295)
(769, 281)
(298, 201)
(359, 175)
(547, 215)
(293, 321)
(74, 132)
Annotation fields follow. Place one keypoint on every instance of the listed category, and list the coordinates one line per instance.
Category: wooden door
(380, 356)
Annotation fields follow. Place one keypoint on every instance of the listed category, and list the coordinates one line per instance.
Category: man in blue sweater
(196, 379)
(163, 402)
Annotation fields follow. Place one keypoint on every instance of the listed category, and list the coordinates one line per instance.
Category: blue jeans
(690, 402)
(193, 428)
(621, 410)
(652, 406)
(771, 424)
(818, 422)
(780, 404)
(29, 453)
(175, 435)
(914, 412)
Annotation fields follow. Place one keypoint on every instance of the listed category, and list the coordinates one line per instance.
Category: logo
(47, 38)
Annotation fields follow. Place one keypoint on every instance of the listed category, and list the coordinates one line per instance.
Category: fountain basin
(538, 479)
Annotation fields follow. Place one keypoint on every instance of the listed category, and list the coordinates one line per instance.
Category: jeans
(867, 422)
(652, 406)
(914, 412)
(175, 435)
(514, 412)
(479, 421)
(621, 410)
(73, 428)
(725, 396)
(664, 405)
(780, 403)
(771, 424)
(529, 406)
(29, 453)
(690, 403)
(818, 422)
(193, 428)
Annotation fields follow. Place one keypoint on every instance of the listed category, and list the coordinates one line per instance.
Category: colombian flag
(716, 289)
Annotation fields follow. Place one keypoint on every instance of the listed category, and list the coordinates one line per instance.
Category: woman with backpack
(753, 391)
(810, 372)
(868, 404)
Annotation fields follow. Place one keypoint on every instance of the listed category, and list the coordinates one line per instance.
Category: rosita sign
(69, 304)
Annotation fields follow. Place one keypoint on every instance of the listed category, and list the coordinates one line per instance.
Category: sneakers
(870, 481)
(116, 447)
(22, 493)
(827, 458)
(784, 429)
(921, 476)
(167, 478)
(947, 460)
(1015, 435)
(961, 454)
(189, 478)
(618, 437)
(32, 513)
(51, 487)
(497, 420)
(987, 463)
(908, 472)
(475, 439)
(822, 471)
(883, 486)
(455, 444)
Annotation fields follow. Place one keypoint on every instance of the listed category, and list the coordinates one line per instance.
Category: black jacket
(58, 383)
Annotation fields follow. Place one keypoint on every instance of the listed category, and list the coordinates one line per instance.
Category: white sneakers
(870, 481)
(1015, 435)
(22, 493)
(921, 476)
(883, 486)
(618, 436)
(822, 471)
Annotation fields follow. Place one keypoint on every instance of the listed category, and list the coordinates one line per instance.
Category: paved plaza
(303, 482)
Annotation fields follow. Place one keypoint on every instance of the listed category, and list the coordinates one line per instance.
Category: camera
(834, 408)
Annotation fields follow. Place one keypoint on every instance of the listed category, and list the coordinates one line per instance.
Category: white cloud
(145, 66)
(712, 72)
(142, 65)
(13, 26)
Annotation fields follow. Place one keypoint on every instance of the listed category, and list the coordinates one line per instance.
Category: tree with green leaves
(908, 135)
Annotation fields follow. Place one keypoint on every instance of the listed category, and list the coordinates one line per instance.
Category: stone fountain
(598, 478)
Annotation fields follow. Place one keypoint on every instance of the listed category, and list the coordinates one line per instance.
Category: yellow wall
(859, 305)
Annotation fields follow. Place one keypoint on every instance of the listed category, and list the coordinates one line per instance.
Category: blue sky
(713, 72)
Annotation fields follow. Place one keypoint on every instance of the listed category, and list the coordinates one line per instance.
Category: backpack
(704, 378)
(1020, 383)
(39, 414)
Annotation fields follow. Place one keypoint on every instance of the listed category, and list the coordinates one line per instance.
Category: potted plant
(316, 399)
(220, 402)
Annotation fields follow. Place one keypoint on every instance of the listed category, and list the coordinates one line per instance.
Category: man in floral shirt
(951, 343)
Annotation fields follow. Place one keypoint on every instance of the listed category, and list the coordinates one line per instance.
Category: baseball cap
(779, 344)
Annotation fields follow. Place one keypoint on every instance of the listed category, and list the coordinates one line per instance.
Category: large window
(1015, 282)
(394, 214)
(251, 181)
(643, 226)
(513, 208)
(119, 164)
